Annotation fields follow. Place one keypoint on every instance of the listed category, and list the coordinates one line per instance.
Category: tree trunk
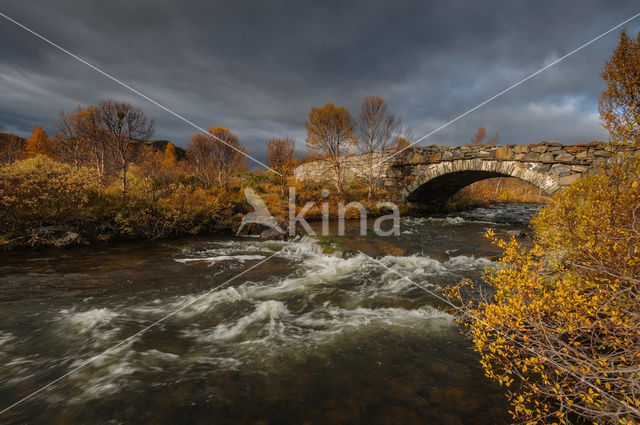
(370, 176)
(338, 171)
(124, 178)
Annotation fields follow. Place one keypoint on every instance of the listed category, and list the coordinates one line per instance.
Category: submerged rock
(518, 233)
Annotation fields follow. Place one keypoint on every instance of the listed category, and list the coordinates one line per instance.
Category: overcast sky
(258, 66)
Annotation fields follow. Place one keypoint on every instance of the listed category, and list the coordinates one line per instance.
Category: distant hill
(10, 146)
(161, 145)
(6, 138)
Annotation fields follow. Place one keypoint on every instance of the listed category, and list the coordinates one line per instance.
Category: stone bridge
(430, 175)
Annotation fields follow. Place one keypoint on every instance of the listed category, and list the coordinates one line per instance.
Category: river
(306, 337)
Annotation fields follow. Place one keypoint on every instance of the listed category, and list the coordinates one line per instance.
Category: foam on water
(5, 337)
(269, 325)
(268, 313)
(86, 321)
(272, 324)
(446, 220)
(219, 258)
(464, 263)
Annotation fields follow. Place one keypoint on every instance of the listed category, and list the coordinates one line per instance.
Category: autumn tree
(494, 140)
(82, 137)
(199, 158)
(481, 134)
(122, 124)
(377, 126)
(330, 132)
(620, 102)
(402, 139)
(241, 163)
(37, 144)
(170, 157)
(280, 158)
(214, 154)
(10, 148)
(70, 143)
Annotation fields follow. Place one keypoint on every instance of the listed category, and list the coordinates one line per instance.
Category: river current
(310, 336)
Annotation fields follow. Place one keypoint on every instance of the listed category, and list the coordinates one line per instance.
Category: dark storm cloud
(259, 66)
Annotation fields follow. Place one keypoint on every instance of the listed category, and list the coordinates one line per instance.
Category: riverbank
(45, 203)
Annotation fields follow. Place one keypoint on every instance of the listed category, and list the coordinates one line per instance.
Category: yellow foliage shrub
(559, 324)
(40, 191)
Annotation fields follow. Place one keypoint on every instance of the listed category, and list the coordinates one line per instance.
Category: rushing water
(304, 338)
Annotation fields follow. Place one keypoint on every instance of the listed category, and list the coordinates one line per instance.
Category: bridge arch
(435, 183)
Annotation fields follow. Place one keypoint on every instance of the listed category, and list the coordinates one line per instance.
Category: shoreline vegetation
(46, 203)
(99, 177)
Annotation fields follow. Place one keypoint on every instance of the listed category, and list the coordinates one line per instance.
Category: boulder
(69, 238)
(272, 234)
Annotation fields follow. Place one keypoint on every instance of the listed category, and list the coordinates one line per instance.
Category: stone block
(546, 157)
(575, 149)
(559, 169)
(582, 154)
(579, 168)
(417, 158)
(532, 156)
(564, 156)
(539, 148)
(519, 156)
(569, 179)
(601, 152)
(521, 149)
(542, 168)
(503, 152)
(434, 157)
(596, 171)
(447, 155)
